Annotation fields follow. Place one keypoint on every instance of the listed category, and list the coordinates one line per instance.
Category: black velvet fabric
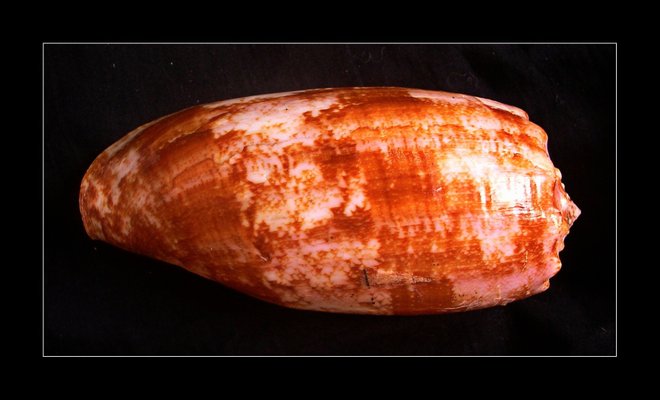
(100, 300)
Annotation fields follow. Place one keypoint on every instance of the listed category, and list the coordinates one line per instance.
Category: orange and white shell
(354, 200)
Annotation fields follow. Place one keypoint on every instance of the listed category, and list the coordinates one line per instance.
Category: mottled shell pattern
(354, 200)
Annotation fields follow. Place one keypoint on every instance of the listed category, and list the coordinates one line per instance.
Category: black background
(103, 301)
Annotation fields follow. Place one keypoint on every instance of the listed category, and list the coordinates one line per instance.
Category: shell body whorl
(358, 200)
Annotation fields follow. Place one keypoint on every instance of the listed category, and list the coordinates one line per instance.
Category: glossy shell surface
(356, 200)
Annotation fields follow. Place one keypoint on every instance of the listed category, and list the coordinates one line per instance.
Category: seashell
(352, 200)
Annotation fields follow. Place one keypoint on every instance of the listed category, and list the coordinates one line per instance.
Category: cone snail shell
(354, 200)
